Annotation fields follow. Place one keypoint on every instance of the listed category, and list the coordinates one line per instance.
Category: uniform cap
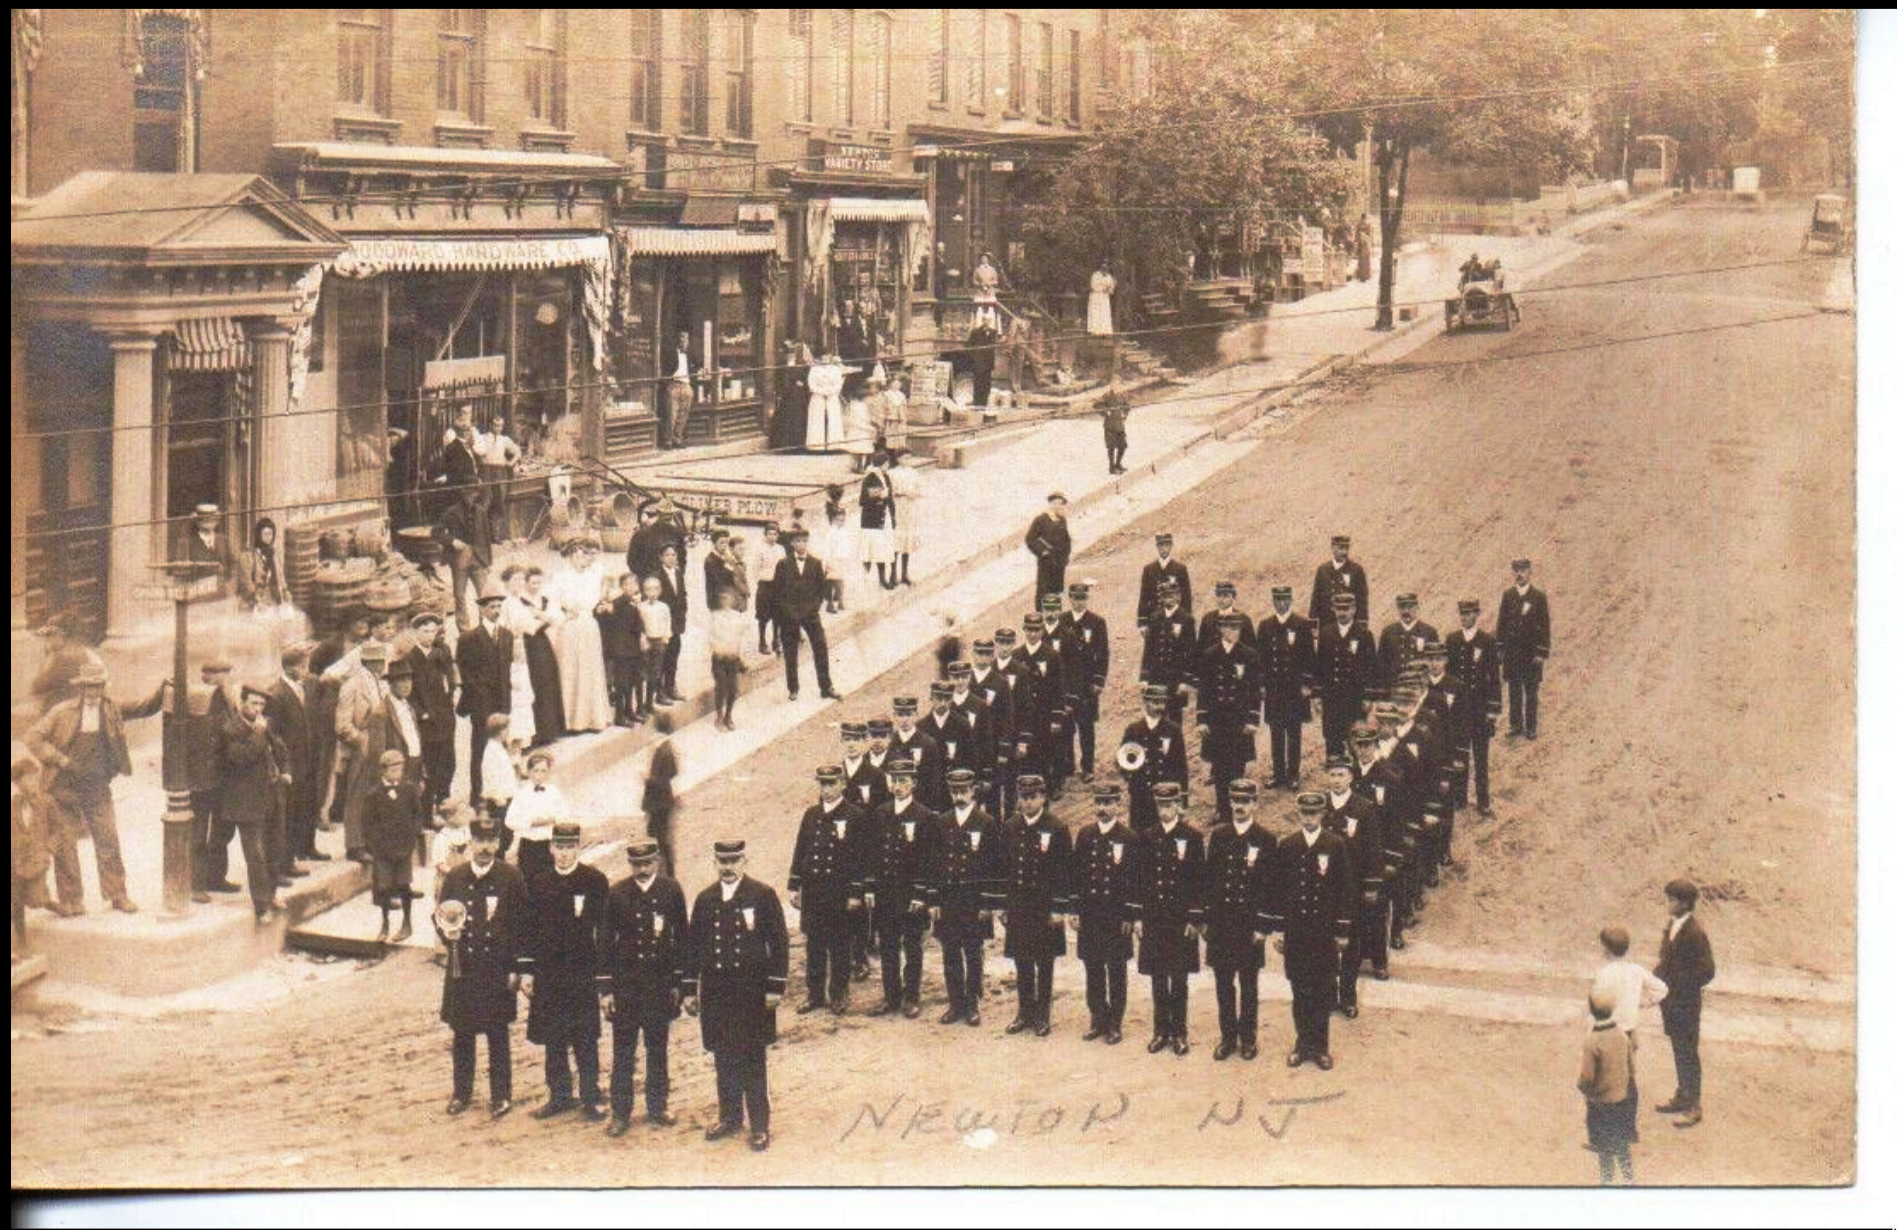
(1407, 694)
(829, 774)
(1384, 710)
(961, 777)
(1169, 586)
(1521, 563)
(729, 848)
(1162, 540)
(1343, 599)
(880, 726)
(642, 849)
(1032, 622)
(1340, 540)
(905, 706)
(1339, 761)
(1244, 790)
(1057, 495)
(1168, 792)
(855, 730)
(984, 647)
(1403, 600)
(207, 510)
(900, 767)
(1077, 590)
(1155, 691)
(1281, 591)
(797, 534)
(1050, 602)
(1030, 783)
(960, 670)
(1363, 730)
(940, 690)
(1310, 802)
(1469, 606)
(392, 757)
(1436, 651)
(1225, 587)
(1007, 636)
(566, 833)
(1106, 794)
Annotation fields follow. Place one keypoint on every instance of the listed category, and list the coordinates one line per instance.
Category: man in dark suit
(1287, 651)
(969, 885)
(483, 657)
(900, 860)
(672, 592)
(1051, 545)
(1104, 910)
(740, 959)
(952, 734)
(432, 667)
(1039, 885)
(1473, 657)
(566, 909)
(460, 468)
(1346, 670)
(1523, 633)
(643, 947)
(658, 526)
(1686, 966)
(478, 993)
(979, 347)
(1317, 888)
(800, 588)
(288, 712)
(1336, 575)
(467, 535)
(1171, 648)
(1354, 817)
(1158, 571)
(983, 756)
(1240, 912)
(826, 888)
(1225, 602)
(1064, 640)
(250, 800)
(1169, 899)
(1049, 675)
(1401, 641)
(1010, 699)
(1087, 631)
(207, 545)
(927, 765)
(1229, 707)
(1164, 744)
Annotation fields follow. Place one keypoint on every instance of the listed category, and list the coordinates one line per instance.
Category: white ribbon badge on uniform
(1524, 608)
(908, 830)
(750, 918)
(1119, 851)
(1251, 855)
(1419, 644)
(1178, 629)
(1180, 845)
(579, 903)
(951, 750)
(974, 840)
(1045, 839)
(1379, 795)
(1041, 667)
(1290, 638)
(1241, 670)
(1086, 634)
(1449, 698)
(658, 924)
(1478, 655)
(865, 789)
(1323, 864)
(840, 827)
(1165, 745)
(1353, 644)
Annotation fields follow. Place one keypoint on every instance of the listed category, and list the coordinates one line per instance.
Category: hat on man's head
(208, 510)
(1363, 732)
(960, 669)
(880, 726)
(539, 755)
(248, 691)
(1244, 790)
(1032, 622)
(854, 730)
(373, 651)
(1223, 588)
(400, 669)
(983, 647)
(1050, 604)
(829, 774)
(92, 674)
(1386, 711)
(1057, 495)
(491, 591)
(1006, 636)
(1168, 586)
(1469, 606)
(1683, 890)
(391, 758)
(728, 848)
(1406, 600)
(1162, 540)
(1280, 591)
(1341, 540)
(901, 766)
(1520, 564)
(1106, 794)
(905, 706)
(1079, 589)
(1310, 802)
(941, 690)
(798, 534)
(1339, 761)
(1343, 598)
(566, 833)
(484, 828)
(642, 849)
(1231, 619)
(424, 619)
(1155, 691)
(961, 778)
(1030, 783)
(1169, 792)
(216, 664)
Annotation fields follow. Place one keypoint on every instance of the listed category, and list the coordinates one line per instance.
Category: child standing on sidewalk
(500, 770)
(728, 631)
(1606, 1082)
(655, 634)
(835, 547)
(1113, 408)
(763, 567)
(619, 630)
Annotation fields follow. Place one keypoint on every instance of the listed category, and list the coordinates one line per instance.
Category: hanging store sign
(855, 159)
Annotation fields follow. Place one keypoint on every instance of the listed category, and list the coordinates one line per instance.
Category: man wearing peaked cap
(1225, 602)
(1051, 544)
(1065, 639)
(983, 753)
(1318, 889)
(1336, 575)
(997, 688)
(1287, 651)
(1402, 640)
(1104, 911)
(566, 912)
(740, 959)
(1169, 900)
(970, 885)
(1231, 706)
(1346, 669)
(1046, 727)
(826, 887)
(1094, 657)
(1241, 911)
(1038, 858)
(1523, 632)
(1171, 649)
(952, 735)
(1162, 751)
(897, 876)
(484, 656)
(1474, 658)
(1162, 568)
(643, 945)
(910, 742)
(1354, 818)
(478, 993)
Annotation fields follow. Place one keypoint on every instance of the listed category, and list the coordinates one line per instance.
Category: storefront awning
(366, 258)
(867, 209)
(686, 241)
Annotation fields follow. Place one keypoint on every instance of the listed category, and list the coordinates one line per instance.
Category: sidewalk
(971, 527)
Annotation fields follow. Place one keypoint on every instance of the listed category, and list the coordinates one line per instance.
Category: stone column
(134, 483)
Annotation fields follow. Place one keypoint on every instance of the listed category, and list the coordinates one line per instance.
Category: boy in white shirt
(728, 632)
(531, 815)
(763, 567)
(655, 619)
(1630, 988)
(500, 767)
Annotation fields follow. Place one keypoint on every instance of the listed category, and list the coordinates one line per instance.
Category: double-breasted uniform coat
(1346, 673)
(477, 993)
(1170, 898)
(1165, 745)
(561, 950)
(1240, 904)
(1229, 701)
(1039, 886)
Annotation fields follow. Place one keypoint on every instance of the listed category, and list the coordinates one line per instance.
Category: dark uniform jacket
(644, 946)
(866, 784)
(1039, 859)
(1076, 679)
(971, 874)
(1165, 746)
(289, 720)
(1049, 539)
(1398, 646)
(1169, 897)
(564, 918)
(1171, 646)
(1229, 701)
(981, 725)
(252, 761)
(1358, 823)
(1007, 711)
(901, 859)
(1043, 665)
(1239, 905)
(476, 994)
(1103, 890)
(1346, 663)
(1523, 633)
(1287, 652)
(1318, 889)
(1686, 966)
(1095, 652)
(956, 740)
(1209, 630)
(1451, 708)
(485, 657)
(1478, 663)
(925, 753)
(740, 952)
(1150, 577)
(1331, 580)
(798, 587)
(433, 697)
(826, 866)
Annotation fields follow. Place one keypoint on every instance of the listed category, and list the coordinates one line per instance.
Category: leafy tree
(1813, 92)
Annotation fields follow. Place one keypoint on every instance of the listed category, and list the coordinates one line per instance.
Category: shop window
(866, 267)
(362, 59)
(646, 77)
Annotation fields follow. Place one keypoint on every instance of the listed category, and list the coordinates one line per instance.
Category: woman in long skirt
(823, 428)
(790, 424)
(905, 498)
(520, 619)
(532, 621)
(876, 537)
(579, 590)
(1100, 303)
(892, 409)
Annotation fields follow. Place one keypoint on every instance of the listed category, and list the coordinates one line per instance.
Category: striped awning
(214, 345)
(690, 241)
(369, 257)
(869, 209)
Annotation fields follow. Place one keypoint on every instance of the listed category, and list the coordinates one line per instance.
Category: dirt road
(1687, 502)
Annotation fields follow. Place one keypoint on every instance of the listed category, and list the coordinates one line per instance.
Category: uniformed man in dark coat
(863, 782)
(1169, 908)
(1381, 781)
(909, 742)
(1225, 602)
(1472, 657)
(826, 887)
(1158, 571)
(996, 686)
(1317, 888)
(740, 958)
(1230, 704)
(1051, 699)
(1346, 671)
(1523, 633)
(1338, 574)
(1402, 641)
(904, 837)
(560, 965)
(1087, 631)
(1423, 751)
(1452, 708)
(952, 735)
(968, 886)
(255, 772)
(1354, 818)
(1287, 652)
(478, 993)
(1065, 642)
(1171, 648)
(643, 949)
(1051, 544)
(1104, 859)
(974, 710)
(1039, 855)
(1240, 912)
(1164, 747)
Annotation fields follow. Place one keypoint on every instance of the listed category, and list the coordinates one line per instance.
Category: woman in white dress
(579, 589)
(905, 489)
(519, 619)
(1100, 303)
(823, 425)
(859, 429)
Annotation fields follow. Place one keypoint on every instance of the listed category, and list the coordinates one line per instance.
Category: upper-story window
(546, 67)
(879, 71)
(1044, 72)
(646, 77)
(976, 79)
(362, 58)
(843, 65)
(938, 56)
(740, 26)
(1073, 76)
(798, 64)
(1017, 66)
(458, 63)
(694, 88)
(164, 116)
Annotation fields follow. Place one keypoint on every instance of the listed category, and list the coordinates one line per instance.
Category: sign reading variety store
(856, 159)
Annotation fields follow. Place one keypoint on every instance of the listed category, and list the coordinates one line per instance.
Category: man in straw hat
(82, 744)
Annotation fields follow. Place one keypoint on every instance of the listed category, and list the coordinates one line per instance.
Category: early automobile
(1830, 223)
(1481, 299)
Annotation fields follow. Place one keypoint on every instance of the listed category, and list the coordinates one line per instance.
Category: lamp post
(181, 583)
